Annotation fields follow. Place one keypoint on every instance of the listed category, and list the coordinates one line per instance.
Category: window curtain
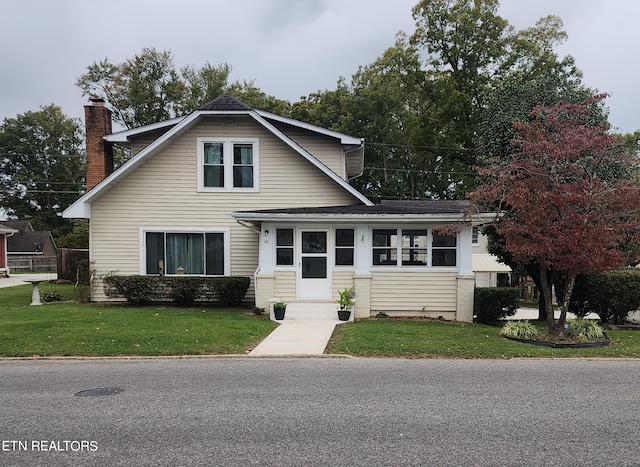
(187, 251)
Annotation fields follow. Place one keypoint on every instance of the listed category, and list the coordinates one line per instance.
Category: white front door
(313, 264)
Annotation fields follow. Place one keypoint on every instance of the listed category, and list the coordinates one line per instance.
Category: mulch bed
(565, 343)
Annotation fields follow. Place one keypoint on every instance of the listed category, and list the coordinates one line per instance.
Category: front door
(313, 267)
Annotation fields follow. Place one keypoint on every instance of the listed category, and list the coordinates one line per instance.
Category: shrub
(52, 296)
(224, 291)
(519, 330)
(492, 304)
(135, 289)
(612, 295)
(583, 328)
(230, 290)
(184, 290)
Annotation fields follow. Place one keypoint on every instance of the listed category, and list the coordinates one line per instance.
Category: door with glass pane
(313, 270)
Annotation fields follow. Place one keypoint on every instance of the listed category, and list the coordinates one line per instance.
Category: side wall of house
(163, 193)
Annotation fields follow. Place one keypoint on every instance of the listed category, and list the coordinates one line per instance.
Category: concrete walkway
(19, 279)
(304, 331)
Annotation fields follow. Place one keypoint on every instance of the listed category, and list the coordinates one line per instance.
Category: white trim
(124, 137)
(227, 149)
(304, 153)
(79, 210)
(429, 247)
(430, 219)
(142, 246)
(344, 139)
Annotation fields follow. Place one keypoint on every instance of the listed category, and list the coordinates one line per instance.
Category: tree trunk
(533, 270)
(546, 291)
(564, 306)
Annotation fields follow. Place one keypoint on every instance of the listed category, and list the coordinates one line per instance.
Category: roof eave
(361, 218)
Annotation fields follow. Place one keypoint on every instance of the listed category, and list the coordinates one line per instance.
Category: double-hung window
(443, 249)
(410, 248)
(227, 164)
(345, 246)
(186, 252)
(284, 247)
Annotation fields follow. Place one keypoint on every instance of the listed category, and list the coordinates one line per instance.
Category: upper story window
(410, 247)
(227, 164)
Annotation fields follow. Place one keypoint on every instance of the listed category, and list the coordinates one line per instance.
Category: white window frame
(475, 235)
(227, 151)
(336, 247)
(142, 250)
(399, 247)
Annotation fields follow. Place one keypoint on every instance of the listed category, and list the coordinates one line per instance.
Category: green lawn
(64, 329)
(414, 338)
(95, 329)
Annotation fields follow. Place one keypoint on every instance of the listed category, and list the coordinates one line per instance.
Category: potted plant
(345, 303)
(279, 309)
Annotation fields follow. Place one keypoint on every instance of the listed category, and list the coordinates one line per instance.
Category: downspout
(259, 232)
(359, 148)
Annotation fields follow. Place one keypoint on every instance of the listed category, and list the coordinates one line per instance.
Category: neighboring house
(490, 272)
(231, 190)
(5, 233)
(29, 242)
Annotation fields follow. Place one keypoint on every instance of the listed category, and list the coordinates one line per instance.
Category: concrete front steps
(311, 311)
(304, 331)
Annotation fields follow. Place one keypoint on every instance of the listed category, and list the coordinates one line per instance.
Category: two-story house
(232, 190)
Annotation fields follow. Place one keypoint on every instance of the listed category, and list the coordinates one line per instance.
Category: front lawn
(416, 338)
(65, 328)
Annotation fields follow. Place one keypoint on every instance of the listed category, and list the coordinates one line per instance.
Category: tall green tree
(148, 88)
(41, 167)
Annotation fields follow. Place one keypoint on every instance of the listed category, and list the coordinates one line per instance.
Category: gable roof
(29, 242)
(20, 226)
(224, 105)
(6, 230)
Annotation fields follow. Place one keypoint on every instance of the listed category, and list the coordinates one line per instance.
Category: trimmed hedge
(491, 304)
(223, 291)
(612, 295)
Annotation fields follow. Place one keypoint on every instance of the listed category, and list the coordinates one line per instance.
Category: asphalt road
(316, 412)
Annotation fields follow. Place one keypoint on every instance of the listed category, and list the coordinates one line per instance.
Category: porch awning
(488, 263)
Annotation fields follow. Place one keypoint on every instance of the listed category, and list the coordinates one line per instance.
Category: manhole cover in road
(99, 392)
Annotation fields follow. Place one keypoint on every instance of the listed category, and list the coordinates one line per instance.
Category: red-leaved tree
(567, 199)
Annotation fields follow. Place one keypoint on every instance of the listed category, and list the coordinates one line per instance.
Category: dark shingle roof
(225, 102)
(22, 226)
(28, 242)
(387, 207)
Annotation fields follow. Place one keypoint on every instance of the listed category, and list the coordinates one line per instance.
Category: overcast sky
(291, 48)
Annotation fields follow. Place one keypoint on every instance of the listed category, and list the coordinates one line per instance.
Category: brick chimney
(99, 152)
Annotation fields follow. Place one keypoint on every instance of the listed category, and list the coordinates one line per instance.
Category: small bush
(231, 290)
(184, 290)
(135, 289)
(52, 296)
(492, 304)
(583, 328)
(519, 330)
